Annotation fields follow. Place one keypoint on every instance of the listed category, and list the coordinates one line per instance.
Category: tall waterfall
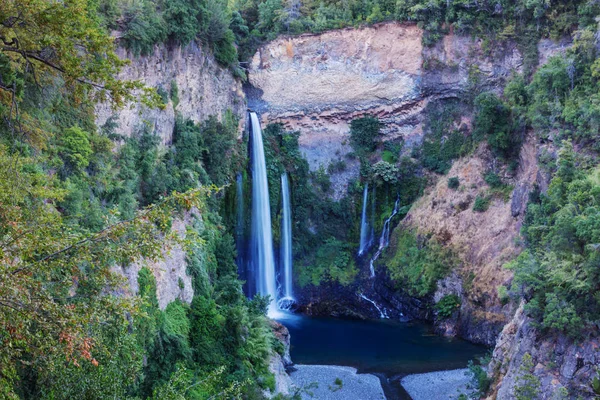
(262, 237)
(384, 239)
(364, 225)
(286, 244)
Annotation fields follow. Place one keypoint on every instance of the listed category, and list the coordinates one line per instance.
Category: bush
(453, 183)
(527, 384)
(334, 261)
(447, 305)
(481, 204)
(492, 179)
(75, 149)
(363, 134)
(493, 122)
(417, 263)
(480, 381)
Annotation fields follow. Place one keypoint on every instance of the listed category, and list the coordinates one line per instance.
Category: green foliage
(442, 142)
(596, 384)
(454, 182)
(481, 204)
(447, 305)
(174, 93)
(480, 380)
(503, 295)
(364, 133)
(556, 273)
(75, 149)
(385, 172)
(416, 263)
(527, 384)
(333, 261)
(493, 122)
(322, 229)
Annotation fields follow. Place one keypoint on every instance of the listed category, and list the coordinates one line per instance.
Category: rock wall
(564, 368)
(317, 84)
(484, 240)
(172, 280)
(204, 87)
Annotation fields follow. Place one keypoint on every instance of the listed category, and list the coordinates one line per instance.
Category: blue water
(385, 347)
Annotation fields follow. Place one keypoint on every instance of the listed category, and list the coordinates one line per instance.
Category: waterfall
(382, 312)
(286, 245)
(384, 239)
(364, 225)
(262, 237)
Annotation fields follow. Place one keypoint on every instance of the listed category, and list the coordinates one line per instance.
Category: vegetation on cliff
(78, 201)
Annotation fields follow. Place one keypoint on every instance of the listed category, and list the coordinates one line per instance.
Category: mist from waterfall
(384, 239)
(286, 245)
(263, 260)
(364, 225)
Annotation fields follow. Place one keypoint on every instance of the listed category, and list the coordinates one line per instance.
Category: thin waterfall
(286, 245)
(384, 239)
(364, 225)
(382, 312)
(262, 236)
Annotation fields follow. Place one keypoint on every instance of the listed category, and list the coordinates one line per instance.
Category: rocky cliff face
(204, 89)
(484, 240)
(317, 84)
(562, 367)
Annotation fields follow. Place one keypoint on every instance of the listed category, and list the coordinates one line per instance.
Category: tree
(527, 384)
(56, 277)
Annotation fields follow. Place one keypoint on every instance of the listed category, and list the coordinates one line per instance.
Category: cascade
(384, 239)
(382, 312)
(364, 225)
(263, 261)
(286, 245)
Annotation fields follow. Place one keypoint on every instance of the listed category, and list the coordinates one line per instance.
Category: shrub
(480, 381)
(481, 204)
(447, 305)
(492, 179)
(527, 384)
(493, 121)
(417, 262)
(453, 183)
(75, 149)
(363, 134)
(503, 294)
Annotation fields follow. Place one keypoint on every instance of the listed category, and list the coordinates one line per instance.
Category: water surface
(384, 346)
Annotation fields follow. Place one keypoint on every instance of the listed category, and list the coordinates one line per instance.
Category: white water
(364, 225)
(262, 236)
(382, 312)
(384, 240)
(286, 245)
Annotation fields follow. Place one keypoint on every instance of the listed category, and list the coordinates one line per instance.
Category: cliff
(561, 368)
(317, 84)
(485, 241)
(204, 89)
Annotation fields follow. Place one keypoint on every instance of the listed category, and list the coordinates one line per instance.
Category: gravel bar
(330, 382)
(442, 385)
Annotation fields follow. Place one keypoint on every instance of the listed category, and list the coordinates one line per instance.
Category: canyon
(317, 84)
